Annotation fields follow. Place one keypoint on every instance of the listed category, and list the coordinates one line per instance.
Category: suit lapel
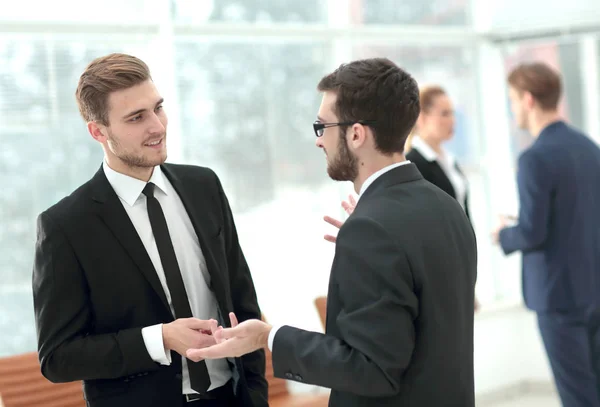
(198, 213)
(111, 211)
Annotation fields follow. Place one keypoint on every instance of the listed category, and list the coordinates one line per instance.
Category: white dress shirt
(363, 188)
(448, 164)
(192, 264)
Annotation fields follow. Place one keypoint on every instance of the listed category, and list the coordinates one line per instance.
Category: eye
(159, 108)
(136, 118)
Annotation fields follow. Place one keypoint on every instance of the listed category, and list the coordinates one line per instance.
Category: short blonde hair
(103, 76)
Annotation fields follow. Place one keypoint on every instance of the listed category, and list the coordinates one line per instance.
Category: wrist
(165, 336)
(264, 338)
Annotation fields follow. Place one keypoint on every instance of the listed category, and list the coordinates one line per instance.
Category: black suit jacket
(95, 288)
(399, 329)
(433, 173)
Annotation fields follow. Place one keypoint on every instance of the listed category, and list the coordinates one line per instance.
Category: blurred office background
(239, 81)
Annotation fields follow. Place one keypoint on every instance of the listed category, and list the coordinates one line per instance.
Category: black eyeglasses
(320, 127)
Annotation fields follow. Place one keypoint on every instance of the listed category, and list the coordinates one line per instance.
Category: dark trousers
(572, 343)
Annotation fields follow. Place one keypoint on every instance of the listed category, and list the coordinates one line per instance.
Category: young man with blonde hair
(139, 264)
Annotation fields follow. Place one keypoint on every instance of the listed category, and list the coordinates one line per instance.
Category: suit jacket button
(298, 378)
(289, 376)
(178, 376)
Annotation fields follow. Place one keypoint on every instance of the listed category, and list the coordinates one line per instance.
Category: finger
(238, 331)
(194, 354)
(347, 207)
(213, 327)
(218, 334)
(352, 200)
(219, 351)
(233, 319)
(330, 238)
(200, 324)
(332, 221)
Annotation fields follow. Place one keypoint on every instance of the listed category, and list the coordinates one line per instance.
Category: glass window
(247, 112)
(541, 14)
(108, 11)
(248, 11)
(420, 12)
(46, 153)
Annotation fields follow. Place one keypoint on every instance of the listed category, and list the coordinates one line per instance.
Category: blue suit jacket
(559, 221)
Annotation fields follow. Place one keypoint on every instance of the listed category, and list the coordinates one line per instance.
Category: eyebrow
(161, 101)
(319, 118)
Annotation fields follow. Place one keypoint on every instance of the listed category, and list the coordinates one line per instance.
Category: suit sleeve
(535, 190)
(64, 319)
(245, 302)
(376, 323)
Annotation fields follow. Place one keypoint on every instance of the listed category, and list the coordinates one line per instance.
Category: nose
(319, 142)
(158, 124)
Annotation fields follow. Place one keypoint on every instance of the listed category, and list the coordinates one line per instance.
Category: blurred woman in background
(425, 149)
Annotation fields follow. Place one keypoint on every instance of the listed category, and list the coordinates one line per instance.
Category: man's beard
(131, 159)
(344, 166)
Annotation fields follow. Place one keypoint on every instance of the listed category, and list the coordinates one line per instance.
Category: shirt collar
(429, 153)
(128, 188)
(377, 174)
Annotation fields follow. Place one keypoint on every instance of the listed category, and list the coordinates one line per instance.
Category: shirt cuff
(272, 336)
(153, 339)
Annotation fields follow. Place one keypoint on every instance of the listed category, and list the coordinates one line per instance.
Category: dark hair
(540, 80)
(103, 76)
(376, 89)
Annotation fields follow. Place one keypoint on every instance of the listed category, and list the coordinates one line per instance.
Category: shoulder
(362, 232)
(191, 170)
(194, 175)
(72, 206)
(532, 157)
(416, 157)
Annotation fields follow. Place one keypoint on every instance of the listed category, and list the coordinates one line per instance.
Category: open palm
(349, 208)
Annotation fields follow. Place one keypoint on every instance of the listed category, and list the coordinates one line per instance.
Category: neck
(433, 143)
(540, 120)
(370, 167)
(141, 173)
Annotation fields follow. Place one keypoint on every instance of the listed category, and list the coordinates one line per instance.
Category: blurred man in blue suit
(558, 232)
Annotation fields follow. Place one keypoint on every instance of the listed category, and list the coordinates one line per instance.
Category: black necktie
(199, 379)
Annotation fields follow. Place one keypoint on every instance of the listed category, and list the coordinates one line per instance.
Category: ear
(98, 131)
(420, 120)
(528, 100)
(358, 135)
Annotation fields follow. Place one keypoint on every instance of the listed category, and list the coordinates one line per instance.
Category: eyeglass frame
(318, 126)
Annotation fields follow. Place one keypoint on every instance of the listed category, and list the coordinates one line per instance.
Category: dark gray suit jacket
(399, 328)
